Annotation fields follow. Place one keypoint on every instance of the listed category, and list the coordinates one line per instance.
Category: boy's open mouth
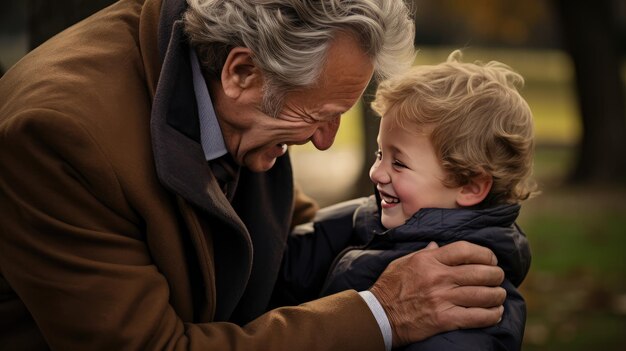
(388, 198)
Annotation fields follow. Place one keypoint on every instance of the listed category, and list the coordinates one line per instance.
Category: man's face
(256, 140)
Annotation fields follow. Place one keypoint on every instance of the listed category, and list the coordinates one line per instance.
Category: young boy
(454, 162)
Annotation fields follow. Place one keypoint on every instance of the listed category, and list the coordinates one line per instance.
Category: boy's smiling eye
(396, 163)
(399, 164)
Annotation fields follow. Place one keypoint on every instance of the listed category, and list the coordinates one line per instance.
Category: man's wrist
(380, 316)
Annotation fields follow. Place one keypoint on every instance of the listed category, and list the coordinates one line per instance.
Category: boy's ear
(474, 192)
(240, 73)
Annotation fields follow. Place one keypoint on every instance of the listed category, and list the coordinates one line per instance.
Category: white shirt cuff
(379, 315)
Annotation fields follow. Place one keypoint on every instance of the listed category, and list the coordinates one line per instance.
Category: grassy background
(576, 288)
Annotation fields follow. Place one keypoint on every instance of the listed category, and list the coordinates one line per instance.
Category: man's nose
(324, 136)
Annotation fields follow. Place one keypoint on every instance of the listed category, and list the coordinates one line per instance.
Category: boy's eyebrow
(397, 150)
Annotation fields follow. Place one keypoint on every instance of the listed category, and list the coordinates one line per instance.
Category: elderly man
(146, 194)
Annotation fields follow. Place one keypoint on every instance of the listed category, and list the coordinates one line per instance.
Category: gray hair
(290, 38)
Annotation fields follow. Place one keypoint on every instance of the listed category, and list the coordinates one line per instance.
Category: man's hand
(439, 289)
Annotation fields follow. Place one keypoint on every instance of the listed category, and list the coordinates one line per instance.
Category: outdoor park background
(572, 56)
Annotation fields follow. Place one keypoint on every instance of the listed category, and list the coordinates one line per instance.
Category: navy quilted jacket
(347, 248)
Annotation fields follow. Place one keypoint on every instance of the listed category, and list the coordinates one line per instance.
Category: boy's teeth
(390, 200)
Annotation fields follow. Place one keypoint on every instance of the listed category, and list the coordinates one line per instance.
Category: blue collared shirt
(210, 133)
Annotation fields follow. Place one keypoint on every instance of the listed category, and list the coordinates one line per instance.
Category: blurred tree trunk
(48, 17)
(369, 123)
(591, 37)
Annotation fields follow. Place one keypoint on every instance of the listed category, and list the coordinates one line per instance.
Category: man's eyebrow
(323, 116)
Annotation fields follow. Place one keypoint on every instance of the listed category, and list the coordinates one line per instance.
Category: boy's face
(408, 174)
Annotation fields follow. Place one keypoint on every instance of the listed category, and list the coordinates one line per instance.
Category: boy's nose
(378, 175)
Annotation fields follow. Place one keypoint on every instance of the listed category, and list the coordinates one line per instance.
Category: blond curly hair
(477, 121)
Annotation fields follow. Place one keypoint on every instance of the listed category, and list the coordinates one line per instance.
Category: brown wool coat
(114, 234)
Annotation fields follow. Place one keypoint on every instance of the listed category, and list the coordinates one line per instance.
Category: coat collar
(179, 159)
(178, 155)
(263, 201)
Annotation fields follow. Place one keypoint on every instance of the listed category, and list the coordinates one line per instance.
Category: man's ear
(474, 192)
(240, 73)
